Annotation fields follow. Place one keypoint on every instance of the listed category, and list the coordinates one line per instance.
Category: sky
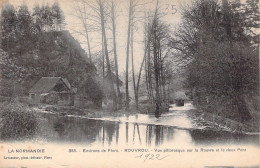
(172, 16)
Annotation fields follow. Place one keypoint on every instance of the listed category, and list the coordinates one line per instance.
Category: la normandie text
(26, 150)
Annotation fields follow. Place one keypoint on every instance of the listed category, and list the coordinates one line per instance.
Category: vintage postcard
(129, 83)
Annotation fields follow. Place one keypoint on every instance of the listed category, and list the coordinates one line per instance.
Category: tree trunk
(127, 55)
(133, 68)
(109, 72)
(86, 30)
(115, 57)
(103, 58)
(156, 65)
(83, 18)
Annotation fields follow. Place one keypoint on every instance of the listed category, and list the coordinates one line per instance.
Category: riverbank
(212, 121)
(233, 124)
(96, 113)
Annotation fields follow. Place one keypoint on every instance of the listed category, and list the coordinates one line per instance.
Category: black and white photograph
(129, 83)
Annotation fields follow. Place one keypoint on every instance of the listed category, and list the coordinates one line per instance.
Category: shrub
(18, 122)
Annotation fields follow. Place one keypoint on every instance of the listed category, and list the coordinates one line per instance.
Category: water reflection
(106, 133)
(136, 127)
(113, 133)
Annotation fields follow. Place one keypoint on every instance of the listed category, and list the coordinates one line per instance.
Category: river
(175, 128)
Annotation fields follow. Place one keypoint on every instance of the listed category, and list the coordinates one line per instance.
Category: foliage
(34, 46)
(218, 43)
(92, 88)
(48, 18)
(18, 122)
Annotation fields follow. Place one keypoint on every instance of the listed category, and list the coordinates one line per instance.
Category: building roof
(66, 82)
(45, 84)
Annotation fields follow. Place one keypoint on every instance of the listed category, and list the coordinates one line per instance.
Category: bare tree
(81, 13)
(115, 53)
(132, 56)
(133, 20)
(156, 49)
(109, 72)
(127, 54)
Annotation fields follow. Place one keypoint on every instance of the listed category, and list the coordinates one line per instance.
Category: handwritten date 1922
(149, 156)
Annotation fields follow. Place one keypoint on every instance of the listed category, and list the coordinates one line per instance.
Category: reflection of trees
(117, 133)
(76, 129)
(126, 131)
(136, 125)
(158, 132)
(110, 129)
(88, 131)
(149, 129)
(138, 132)
(103, 135)
(158, 135)
(59, 127)
(107, 131)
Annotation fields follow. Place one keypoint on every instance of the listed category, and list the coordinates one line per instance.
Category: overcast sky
(172, 17)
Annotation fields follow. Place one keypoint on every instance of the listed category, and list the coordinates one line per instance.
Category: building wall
(35, 98)
(64, 99)
(52, 98)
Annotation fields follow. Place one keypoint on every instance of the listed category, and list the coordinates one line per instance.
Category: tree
(24, 26)
(130, 43)
(113, 18)
(127, 54)
(37, 15)
(47, 18)
(58, 16)
(17, 38)
(210, 41)
(8, 26)
(156, 62)
(109, 72)
(82, 14)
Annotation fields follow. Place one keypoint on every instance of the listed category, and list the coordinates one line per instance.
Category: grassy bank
(18, 121)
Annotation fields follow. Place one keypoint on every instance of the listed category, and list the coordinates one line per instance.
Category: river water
(176, 128)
